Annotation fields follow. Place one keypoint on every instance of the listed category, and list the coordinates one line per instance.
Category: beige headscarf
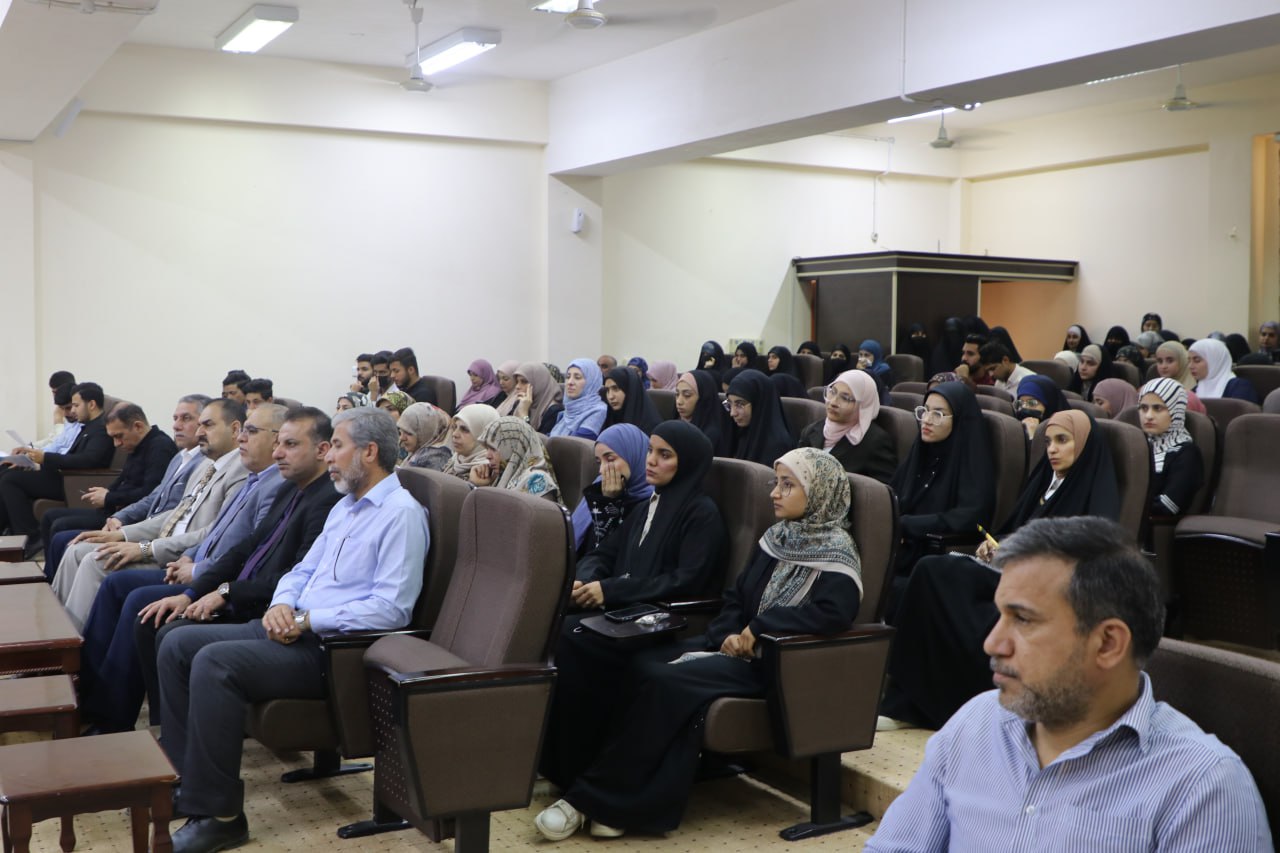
(1183, 377)
(427, 423)
(544, 390)
(525, 467)
(477, 416)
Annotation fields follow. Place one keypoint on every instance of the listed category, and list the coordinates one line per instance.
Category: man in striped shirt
(1071, 752)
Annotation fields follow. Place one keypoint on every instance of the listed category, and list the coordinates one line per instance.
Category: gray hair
(373, 426)
(1110, 579)
(201, 400)
(274, 413)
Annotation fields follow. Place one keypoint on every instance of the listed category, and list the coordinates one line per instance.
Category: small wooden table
(35, 631)
(20, 573)
(63, 778)
(43, 704)
(12, 548)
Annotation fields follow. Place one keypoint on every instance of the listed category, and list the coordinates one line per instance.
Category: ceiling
(535, 45)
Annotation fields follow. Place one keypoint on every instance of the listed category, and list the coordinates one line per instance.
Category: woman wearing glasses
(849, 432)
(937, 662)
(805, 577)
(946, 484)
(760, 432)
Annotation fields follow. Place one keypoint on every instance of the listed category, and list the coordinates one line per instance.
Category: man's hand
(117, 555)
(164, 610)
(280, 625)
(739, 645)
(203, 609)
(35, 454)
(180, 571)
(588, 596)
(112, 525)
(95, 497)
(98, 537)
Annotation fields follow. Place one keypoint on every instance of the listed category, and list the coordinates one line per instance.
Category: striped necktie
(184, 506)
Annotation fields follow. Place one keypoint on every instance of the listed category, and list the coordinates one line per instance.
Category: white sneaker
(599, 830)
(888, 724)
(558, 821)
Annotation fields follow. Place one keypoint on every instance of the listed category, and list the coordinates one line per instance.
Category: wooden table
(43, 704)
(20, 573)
(12, 548)
(63, 778)
(35, 631)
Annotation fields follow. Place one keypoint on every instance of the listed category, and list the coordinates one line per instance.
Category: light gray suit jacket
(221, 488)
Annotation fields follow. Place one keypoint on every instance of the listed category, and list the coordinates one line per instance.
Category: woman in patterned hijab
(517, 460)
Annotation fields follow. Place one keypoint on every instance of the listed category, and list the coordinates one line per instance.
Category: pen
(991, 540)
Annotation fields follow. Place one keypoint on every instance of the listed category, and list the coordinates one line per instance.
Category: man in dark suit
(236, 587)
(93, 448)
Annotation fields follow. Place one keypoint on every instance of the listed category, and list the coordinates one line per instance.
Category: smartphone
(630, 614)
(355, 371)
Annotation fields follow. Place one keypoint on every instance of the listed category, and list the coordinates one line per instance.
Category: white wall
(169, 251)
(700, 250)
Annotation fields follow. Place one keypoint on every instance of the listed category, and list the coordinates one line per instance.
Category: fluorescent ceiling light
(939, 112)
(454, 48)
(256, 28)
(563, 6)
(1125, 76)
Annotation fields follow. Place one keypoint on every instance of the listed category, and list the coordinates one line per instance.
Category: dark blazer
(875, 456)
(251, 597)
(93, 448)
(143, 470)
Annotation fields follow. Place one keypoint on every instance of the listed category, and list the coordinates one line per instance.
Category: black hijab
(788, 385)
(708, 414)
(637, 409)
(946, 355)
(1237, 345)
(1046, 391)
(786, 362)
(833, 367)
(1084, 339)
(811, 346)
(1089, 487)
(712, 352)
(729, 375)
(767, 437)
(935, 474)
(753, 355)
(915, 342)
(1121, 336)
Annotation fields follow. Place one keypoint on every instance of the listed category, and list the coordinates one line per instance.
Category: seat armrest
(693, 605)
(825, 689)
(78, 480)
(941, 543)
(466, 677)
(364, 639)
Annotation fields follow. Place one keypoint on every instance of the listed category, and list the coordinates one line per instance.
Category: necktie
(184, 506)
(228, 515)
(162, 496)
(260, 553)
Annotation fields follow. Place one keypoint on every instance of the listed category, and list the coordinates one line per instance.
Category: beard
(349, 479)
(1062, 698)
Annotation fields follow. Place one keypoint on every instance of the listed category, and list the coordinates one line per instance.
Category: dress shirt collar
(1137, 719)
(376, 496)
(220, 464)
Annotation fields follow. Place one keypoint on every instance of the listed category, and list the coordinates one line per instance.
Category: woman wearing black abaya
(623, 392)
(698, 403)
(674, 548)
(1077, 339)
(1117, 336)
(1001, 335)
(805, 578)
(937, 663)
(916, 342)
(840, 360)
(945, 485)
(1094, 366)
(789, 386)
(760, 432)
(712, 359)
(780, 360)
(747, 356)
(946, 355)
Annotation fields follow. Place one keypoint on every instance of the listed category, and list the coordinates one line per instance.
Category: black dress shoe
(178, 813)
(208, 834)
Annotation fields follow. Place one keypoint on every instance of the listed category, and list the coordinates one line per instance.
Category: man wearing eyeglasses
(363, 573)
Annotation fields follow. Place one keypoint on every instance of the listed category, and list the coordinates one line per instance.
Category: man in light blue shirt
(1071, 752)
(363, 573)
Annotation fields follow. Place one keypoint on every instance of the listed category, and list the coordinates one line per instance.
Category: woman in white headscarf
(1209, 361)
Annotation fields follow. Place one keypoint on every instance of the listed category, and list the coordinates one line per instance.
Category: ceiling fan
(416, 82)
(1180, 102)
(942, 140)
(579, 14)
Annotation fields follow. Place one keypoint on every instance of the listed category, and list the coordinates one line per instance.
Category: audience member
(394, 403)
(233, 386)
(663, 375)
(381, 381)
(788, 386)
(627, 402)
(424, 436)
(970, 365)
(1114, 396)
(840, 360)
(809, 348)
(1151, 322)
(606, 363)
(505, 402)
(1269, 339)
(364, 572)
(619, 488)
(1073, 721)
(1095, 366)
(1177, 468)
(1209, 363)
(998, 363)
(641, 368)
(1000, 335)
(363, 373)
(404, 372)
(1039, 398)
(1237, 345)
(484, 387)
(745, 355)
(760, 432)
(1172, 362)
(468, 452)
(849, 432)
(711, 358)
(1117, 336)
(1149, 342)
(1069, 358)
(257, 392)
(536, 397)
(950, 347)
(584, 411)
(351, 400)
(698, 403)
(1076, 340)
(517, 460)
(780, 360)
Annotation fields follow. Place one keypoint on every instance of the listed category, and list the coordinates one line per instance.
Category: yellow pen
(991, 540)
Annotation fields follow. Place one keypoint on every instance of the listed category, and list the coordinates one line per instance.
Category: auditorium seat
(1232, 697)
(664, 400)
(1054, 369)
(1264, 377)
(911, 387)
(1271, 405)
(902, 426)
(1001, 405)
(446, 393)
(825, 690)
(76, 481)
(575, 465)
(992, 391)
(799, 413)
(458, 719)
(1092, 408)
(818, 393)
(339, 725)
(1127, 372)
(1225, 561)
(906, 400)
(811, 369)
(905, 367)
(1226, 409)
(1009, 457)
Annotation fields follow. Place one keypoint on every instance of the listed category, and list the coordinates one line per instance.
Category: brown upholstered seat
(911, 387)
(1271, 404)
(1264, 377)
(1054, 369)
(905, 367)
(1210, 685)
(459, 719)
(574, 462)
(907, 401)
(1225, 562)
(664, 400)
(811, 369)
(996, 405)
(901, 425)
(1224, 410)
(339, 725)
(76, 481)
(800, 413)
(825, 690)
(1126, 371)
(446, 393)
(1092, 408)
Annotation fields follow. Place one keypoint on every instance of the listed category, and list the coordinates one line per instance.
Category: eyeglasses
(832, 394)
(783, 486)
(740, 405)
(254, 430)
(930, 416)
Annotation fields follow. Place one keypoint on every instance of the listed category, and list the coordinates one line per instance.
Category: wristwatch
(224, 590)
(145, 547)
(300, 619)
